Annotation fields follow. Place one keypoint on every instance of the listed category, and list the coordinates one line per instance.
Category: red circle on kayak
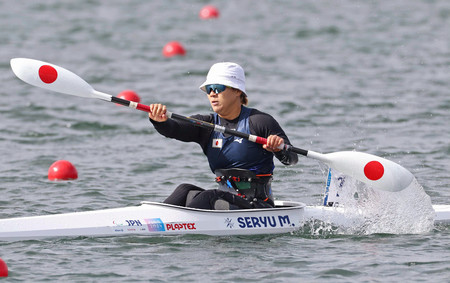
(374, 170)
(48, 74)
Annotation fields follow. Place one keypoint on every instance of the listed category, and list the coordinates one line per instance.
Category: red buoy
(62, 170)
(129, 95)
(3, 269)
(173, 48)
(209, 12)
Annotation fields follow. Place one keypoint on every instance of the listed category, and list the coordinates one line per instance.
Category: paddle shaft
(204, 124)
(222, 129)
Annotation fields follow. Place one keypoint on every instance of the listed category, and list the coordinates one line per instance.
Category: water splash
(363, 210)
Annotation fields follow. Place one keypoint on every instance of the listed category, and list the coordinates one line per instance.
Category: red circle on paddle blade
(374, 170)
(48, 74)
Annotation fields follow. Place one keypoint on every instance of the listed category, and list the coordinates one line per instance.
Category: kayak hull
(153, 218)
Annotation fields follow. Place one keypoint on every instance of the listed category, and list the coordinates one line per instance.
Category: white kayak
(153, 218)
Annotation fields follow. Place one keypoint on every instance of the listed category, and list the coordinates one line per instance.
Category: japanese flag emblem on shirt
(217, 143)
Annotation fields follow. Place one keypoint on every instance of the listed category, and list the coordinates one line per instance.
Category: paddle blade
(373, 170)
(51, 77)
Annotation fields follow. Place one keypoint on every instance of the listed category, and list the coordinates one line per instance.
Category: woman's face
(227, 103)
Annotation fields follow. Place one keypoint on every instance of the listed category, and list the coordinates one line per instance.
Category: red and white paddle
(375, 171)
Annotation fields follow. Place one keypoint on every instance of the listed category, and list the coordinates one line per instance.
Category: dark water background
(371, 76)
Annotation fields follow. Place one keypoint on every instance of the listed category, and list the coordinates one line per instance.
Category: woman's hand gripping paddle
(375, 171)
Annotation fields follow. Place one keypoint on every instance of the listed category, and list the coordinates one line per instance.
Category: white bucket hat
(226, 73)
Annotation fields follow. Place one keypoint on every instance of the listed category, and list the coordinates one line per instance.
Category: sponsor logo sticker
(155, 224)
(229, 222)
(180, 226)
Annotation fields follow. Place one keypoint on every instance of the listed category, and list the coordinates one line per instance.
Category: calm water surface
(338, 75)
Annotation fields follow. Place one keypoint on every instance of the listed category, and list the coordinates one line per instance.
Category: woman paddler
(243, 169)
